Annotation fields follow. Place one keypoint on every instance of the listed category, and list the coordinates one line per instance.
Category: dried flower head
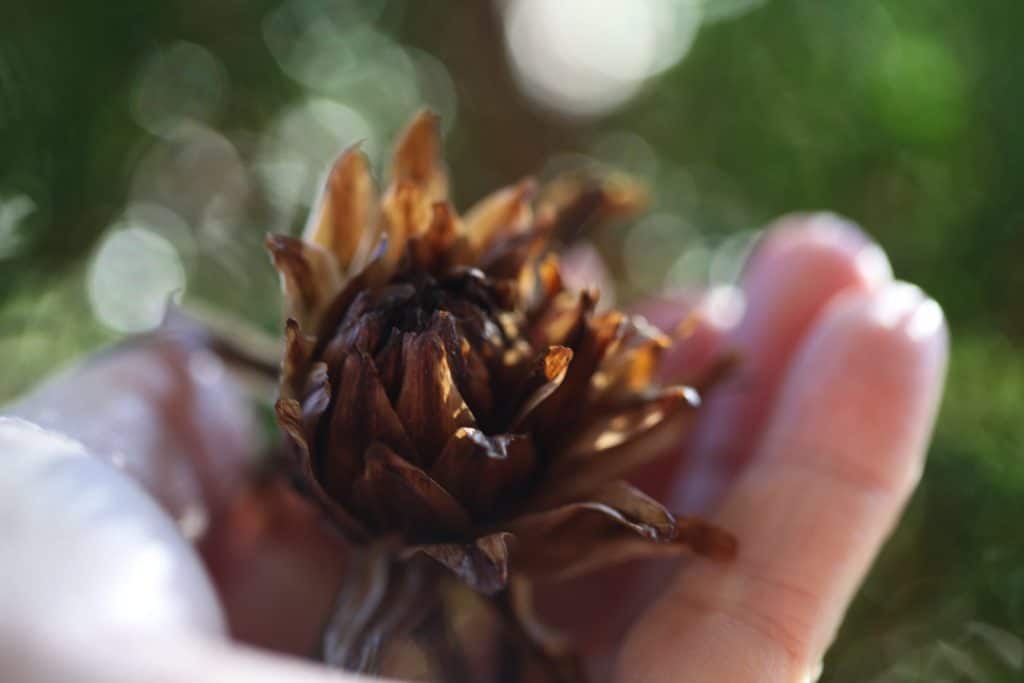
(443, 389)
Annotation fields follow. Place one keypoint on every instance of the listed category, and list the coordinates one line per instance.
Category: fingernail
(836, 232)
(873, 265)
(869, 258)
(895, 304)
(926, 321)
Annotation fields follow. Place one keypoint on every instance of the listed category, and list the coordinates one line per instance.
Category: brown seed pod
(457, 412)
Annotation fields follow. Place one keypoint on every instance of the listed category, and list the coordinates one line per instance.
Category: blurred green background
(147, 146)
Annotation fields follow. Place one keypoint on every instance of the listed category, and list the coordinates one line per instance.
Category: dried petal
(309, 275)
(361, 414)
(468, 369)
(548, 374)
(612, 445)
(418, 157)
(406, 212)
(576, 200)
(429, 404)
(289, 417)
(569, 401)
(428, 251)
(402, 497)
(345, 209)
(298, 350)
(483, 565)
(478, 469)
(630, 366)
(616, 524)
(505, 212)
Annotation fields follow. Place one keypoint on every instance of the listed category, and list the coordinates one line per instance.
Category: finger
(164, 410)
(798, 268)
(843, 450)
(133, 659)
(84, 549)
(98, 583)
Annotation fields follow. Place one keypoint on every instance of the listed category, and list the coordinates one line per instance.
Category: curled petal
(564, 318)
(547, 375)
(418, 157)
(309, 275)
(617, 523)
(372, 275)
(502, 213)
(298, 350)
(482, 565)
(429, 403)
(577, 200)
(614, 444)
(402, 497)
(568, 403)
(289, 417)
(344, 211)
(631, 365)
(480, 470)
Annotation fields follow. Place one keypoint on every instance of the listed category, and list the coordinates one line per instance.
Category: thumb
(99, 584)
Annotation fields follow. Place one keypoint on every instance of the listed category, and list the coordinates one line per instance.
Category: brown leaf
(374, 274)
(548, 374)
(613, 444)
(483, 565)
(361, 414)
(631, 364)
(577, 200)
(309, 275)
(406, 212)
(404, 498)
(345, 209)
(418, 157)
(429, 403)
(428, 251)
(481, 470)
(469, 371)
(298, 349)
(502, 213)
(568, 403)
(289, 417)
(564, 319)
(615, 524)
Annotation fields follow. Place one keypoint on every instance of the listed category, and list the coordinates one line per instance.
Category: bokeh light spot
(584, 58)
(181, 82)
(133, 276)
(13, 210)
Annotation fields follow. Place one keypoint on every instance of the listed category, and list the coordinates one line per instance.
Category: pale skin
(808, 460)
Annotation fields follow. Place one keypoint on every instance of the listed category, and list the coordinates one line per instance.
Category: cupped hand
(807, 454)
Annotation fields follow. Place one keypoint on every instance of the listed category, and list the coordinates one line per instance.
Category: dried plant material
(461, 416)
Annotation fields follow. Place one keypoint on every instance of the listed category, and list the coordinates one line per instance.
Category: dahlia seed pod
(462, 417)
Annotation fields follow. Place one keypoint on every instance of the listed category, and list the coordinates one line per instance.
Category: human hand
(807, 455)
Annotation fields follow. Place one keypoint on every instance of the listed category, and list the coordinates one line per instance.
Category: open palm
(807, 455)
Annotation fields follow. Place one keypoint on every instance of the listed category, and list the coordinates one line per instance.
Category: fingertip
(828, 237)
